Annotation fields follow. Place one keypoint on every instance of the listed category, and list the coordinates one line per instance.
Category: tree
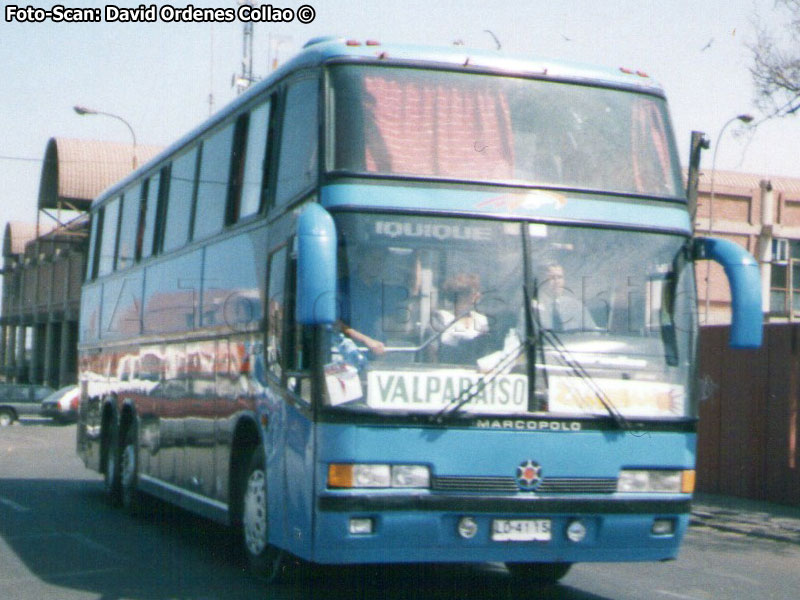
(776, 63)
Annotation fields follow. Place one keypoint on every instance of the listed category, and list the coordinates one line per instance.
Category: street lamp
(82, 110)
(744, 118)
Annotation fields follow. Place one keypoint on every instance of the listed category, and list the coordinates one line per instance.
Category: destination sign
(435, 389)
(573, 395)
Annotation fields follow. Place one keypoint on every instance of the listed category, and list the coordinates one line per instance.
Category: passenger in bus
(558, 307)
(463, 330)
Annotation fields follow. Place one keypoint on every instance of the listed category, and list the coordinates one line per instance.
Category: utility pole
(243, 81)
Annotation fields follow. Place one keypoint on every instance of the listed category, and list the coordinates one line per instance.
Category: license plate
(521, 530)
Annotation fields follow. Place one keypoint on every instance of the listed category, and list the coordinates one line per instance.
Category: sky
(161, 76)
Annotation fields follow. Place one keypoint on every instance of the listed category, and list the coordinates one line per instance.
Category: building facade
(762, 214)
(44, 262)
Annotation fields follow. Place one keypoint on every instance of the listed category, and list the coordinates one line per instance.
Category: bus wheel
(265, 560)
(542, 574)
(129, 471)
(111, 476)
(6, 417)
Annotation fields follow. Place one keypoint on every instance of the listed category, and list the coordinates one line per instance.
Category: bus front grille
(548, 485)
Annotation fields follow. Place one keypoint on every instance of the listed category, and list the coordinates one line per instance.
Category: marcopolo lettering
(528, 425)
(437, 231)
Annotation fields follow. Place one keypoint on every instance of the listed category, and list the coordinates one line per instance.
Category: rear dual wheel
(111, 478)
(121, 473)
(129, 471)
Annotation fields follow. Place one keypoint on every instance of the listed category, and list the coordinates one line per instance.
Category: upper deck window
(108, 239)
(476, 127)
(181, 196)
(255, 156)
(129, 227)
(150, 212)
(297, 164)
(212, 187)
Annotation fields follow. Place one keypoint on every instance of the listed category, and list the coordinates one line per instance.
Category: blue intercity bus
(400, 304)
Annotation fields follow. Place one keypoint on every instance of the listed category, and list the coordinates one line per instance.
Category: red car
(62, 405)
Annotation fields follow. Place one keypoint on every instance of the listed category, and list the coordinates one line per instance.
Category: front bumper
(424, 528)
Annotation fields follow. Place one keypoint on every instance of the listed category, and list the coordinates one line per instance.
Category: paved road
(59, 540)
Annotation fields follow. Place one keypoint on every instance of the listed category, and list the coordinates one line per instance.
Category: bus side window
(94, 236)
(181, 195)
(108, 238)
(128, 227)
(213, 180)
(150, 210)
(276, 311)
(250, 163)
(297, 160)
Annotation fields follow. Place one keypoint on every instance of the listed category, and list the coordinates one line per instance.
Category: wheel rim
(255, 513)
(111, 468)
(5, 419)
(128, 466)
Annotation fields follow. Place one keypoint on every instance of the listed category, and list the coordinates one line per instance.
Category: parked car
(17, 400)
(62, 405)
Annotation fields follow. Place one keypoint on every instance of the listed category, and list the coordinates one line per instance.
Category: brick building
(762, 214)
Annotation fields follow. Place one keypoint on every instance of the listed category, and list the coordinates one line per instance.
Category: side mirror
(316, 267)
(744, 279)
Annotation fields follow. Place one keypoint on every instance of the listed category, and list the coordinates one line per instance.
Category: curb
(756, 524)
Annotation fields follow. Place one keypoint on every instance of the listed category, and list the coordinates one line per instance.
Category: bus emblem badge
(529, 475)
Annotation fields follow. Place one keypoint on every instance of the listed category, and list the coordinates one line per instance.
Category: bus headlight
(411, 476)
(656, 481)
(378, 476)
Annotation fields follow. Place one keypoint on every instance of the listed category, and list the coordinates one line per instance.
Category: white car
(62, 405)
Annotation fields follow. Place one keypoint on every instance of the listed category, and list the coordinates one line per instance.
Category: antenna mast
(243, 81)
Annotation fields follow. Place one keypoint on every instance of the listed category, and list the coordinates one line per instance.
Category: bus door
(290, 460)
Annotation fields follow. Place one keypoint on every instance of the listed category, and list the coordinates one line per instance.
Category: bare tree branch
(776, 63)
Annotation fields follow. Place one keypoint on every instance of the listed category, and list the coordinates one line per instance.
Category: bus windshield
(474, 127)
(441, 313)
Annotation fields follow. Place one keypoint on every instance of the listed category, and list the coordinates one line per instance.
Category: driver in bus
(371, 303)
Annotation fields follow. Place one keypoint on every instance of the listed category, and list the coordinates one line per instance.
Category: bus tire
(111, 476)
(129, 471)
(265, 560)
(7, 417)
(542, 574)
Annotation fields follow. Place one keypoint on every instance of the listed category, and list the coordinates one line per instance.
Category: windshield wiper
(533, 337)
(577, 368)
(468, 394)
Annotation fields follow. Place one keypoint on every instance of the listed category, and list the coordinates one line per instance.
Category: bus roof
(319, 51)
(325, 49)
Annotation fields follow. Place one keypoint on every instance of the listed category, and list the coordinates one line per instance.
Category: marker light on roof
(632, 72)
(373, 43)
(353, 43)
